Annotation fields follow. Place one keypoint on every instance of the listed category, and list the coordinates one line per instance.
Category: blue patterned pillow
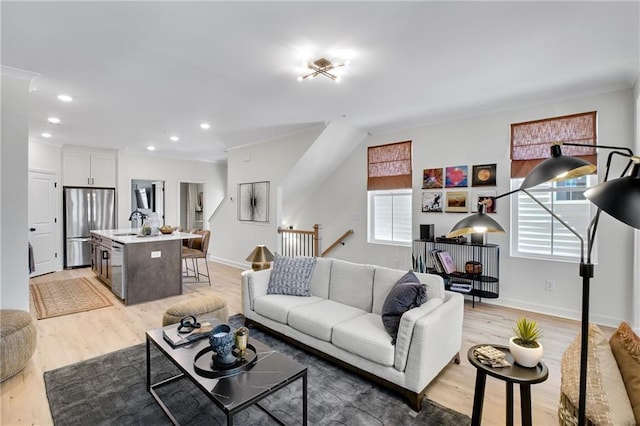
(291, 276)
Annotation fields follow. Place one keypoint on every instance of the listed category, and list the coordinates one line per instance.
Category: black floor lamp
(619, 197)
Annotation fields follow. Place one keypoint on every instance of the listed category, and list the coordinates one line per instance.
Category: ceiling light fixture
(205, 126)
(45, 135)
(65, 98)
(322, 66)
(174, 138)
(151, 148)
(53, 120)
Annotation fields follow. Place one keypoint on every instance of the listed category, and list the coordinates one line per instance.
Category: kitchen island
(139, 268)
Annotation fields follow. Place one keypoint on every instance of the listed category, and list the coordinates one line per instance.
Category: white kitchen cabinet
(89, 168)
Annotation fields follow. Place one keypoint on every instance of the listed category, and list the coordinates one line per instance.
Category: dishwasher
(117, 271)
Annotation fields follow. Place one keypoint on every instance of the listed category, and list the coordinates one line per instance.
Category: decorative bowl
(166, 229)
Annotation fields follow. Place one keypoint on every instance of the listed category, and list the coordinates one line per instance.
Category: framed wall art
(457, 202)
(484, 175)
(456, 177)
(432, 178)
(253, 202)
(432, 201)
(487, 198)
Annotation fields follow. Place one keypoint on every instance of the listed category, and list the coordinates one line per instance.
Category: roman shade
(389, 166)
(531, 140)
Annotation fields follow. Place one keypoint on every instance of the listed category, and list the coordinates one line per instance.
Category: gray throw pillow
(407, 293)
(291, 276)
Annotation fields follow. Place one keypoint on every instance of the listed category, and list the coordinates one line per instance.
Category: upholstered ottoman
(201, 307)
(17, 341)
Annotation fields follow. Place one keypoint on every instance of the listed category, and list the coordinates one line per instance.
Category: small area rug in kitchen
(111, 390)
(56, 298)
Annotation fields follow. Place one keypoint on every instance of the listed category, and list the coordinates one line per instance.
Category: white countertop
(130, 236)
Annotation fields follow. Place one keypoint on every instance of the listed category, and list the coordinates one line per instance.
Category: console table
(481, 281)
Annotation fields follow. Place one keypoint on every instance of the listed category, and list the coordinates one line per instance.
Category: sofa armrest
(436, 339)
(405, 330)
(254, 284)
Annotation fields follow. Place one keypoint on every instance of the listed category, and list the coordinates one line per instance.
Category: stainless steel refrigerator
(85, 209)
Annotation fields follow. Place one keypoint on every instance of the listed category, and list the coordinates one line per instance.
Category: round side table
(523, 376)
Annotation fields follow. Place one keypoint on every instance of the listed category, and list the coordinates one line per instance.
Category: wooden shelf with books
(468, 268)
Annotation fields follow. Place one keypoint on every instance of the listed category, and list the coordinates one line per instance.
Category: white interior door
(43, 234)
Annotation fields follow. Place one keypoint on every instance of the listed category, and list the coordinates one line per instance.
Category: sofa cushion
(352, 284)
(317, 319)
(385, 278)
(366, 337)
(277, 306)
(406, 294)
(625, 345)
(291, 276)
(607, 400)
(321, 277)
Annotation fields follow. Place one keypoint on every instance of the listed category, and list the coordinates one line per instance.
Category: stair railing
(296, 242)
(339, 241)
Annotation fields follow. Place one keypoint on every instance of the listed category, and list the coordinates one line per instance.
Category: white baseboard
(242, 266)
(562, 313)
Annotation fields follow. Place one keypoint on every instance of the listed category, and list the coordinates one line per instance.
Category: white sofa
(341, 321)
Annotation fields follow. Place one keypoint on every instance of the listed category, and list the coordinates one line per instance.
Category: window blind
(389, 166)
(531, 140)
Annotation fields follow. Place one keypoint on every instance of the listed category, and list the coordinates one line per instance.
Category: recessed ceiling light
(53, 120)
(205, 126)
(45, 135)
(151, 148)
(174, 138)
(65, 98)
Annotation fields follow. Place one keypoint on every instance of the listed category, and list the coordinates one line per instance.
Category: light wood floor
(72, 338)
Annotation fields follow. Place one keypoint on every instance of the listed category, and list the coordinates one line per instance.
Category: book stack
(442, 261)
(171, 335)
(461, 287)
(488, 355)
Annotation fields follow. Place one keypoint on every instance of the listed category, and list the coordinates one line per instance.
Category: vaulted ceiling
(140, 72)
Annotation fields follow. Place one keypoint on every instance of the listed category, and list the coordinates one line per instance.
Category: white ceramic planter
(526, 357)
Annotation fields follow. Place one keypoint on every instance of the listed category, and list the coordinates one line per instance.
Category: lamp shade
(260, 254)
(556, 168)
(474, 224)
(620, 197)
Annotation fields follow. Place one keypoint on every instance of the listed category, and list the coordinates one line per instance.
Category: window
(389, 193)
(534, 232)
(390, 217)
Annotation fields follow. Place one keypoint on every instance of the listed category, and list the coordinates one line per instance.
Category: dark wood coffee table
(523, 376)
(231, 394)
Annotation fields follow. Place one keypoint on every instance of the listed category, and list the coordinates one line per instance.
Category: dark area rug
(111, 390)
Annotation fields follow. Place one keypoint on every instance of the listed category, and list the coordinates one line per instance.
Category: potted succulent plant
(524, 346)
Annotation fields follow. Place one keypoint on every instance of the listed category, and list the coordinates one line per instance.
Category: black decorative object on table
(221, 340)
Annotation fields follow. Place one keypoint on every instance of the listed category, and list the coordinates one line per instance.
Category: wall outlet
(156, 254)
(550, 285)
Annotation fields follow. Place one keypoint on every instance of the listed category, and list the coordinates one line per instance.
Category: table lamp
(260, 258)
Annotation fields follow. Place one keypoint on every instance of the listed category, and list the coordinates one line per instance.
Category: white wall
(14, 273)
(172, 172)
(341, 203)
(269, 161)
